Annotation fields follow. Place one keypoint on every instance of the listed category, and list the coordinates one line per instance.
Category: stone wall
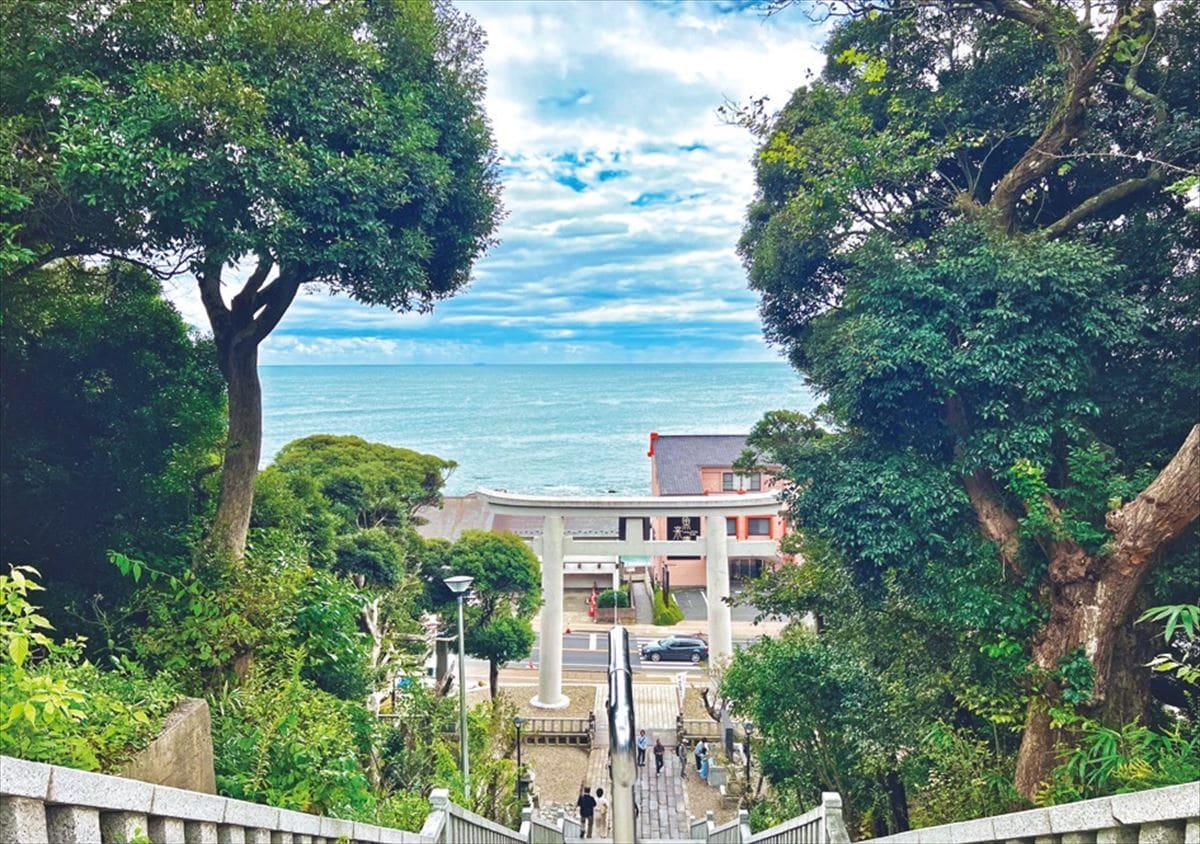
(182, 755)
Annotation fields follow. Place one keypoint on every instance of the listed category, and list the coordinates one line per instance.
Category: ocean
(569, 429)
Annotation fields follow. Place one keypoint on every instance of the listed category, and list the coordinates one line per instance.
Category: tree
(354, 502)
(961, 226)
(334, 144)
(106, 437)
(506, 592)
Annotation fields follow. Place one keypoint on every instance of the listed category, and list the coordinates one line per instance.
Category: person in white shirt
(602, 812)
(701, 751)
(641, 749)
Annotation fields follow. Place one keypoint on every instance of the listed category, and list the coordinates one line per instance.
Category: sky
(625, 195)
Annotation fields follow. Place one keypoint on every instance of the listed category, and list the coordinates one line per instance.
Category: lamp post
(459, 584)
(749, 728)
(518, 721)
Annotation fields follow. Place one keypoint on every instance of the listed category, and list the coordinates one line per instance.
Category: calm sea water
(536, 429)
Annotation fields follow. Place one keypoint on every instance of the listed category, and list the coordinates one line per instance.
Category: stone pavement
(661, 798)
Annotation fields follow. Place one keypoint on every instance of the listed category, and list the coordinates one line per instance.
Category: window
(755, 482)
(731, 527)
(727, 482)
(759, 527)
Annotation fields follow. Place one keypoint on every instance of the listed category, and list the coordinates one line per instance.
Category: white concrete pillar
(716, 565)
(550, 694)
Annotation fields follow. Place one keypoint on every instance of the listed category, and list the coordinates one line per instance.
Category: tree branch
(209, 279)
(996, 522)
(272, 303)
(1067, 121)
(1097, 202)
(243, 302)
(1161, 513)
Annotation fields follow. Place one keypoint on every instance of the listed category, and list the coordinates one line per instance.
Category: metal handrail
(621, 732)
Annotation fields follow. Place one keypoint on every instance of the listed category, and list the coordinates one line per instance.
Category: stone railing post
(835, 825)
(743, 819)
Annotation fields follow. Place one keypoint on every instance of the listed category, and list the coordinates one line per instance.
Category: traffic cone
(568, 631)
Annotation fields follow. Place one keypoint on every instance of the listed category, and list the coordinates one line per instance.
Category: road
(589, 651)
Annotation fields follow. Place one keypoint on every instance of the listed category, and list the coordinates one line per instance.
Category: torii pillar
(550, 694)
(716, 565)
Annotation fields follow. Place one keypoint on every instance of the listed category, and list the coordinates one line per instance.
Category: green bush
(665, 615)
(610, 598)
(277, 740)
(59, 708)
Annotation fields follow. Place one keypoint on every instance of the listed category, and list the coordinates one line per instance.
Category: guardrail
(40, 803)
(694, 728)
(822, 825)
(552, 730)
(1170, 814)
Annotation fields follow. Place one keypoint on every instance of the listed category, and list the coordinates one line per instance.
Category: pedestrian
(641, 749)
(700, 752)
(659, 752)
(602, 812)
(682, 752)
(587, 807)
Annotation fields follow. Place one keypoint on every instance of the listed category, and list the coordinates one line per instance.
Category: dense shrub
(111, 417)
(665, 614)
(57, 707)
(279, 741)
(610, 598)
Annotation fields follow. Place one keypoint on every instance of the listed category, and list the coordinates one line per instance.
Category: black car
(676, 649)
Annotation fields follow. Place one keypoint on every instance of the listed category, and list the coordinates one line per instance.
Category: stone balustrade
(48, 803)
(1169, 815)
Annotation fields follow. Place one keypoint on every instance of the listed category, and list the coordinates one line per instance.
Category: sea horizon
(551, 428)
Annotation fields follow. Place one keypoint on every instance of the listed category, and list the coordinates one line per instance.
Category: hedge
(609, 598)
(666, 615)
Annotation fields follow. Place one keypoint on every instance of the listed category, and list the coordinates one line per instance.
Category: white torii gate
(553, 546)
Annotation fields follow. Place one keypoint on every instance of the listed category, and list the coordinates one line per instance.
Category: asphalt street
(583, 651)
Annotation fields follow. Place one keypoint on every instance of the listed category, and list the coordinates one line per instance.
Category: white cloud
(626, 194)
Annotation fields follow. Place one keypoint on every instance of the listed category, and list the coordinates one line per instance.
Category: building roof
(678, 459)
(457, 513)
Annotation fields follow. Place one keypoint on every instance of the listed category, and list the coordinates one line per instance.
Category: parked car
(676, 649)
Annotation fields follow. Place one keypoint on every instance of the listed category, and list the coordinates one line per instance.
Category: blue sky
(625, 195)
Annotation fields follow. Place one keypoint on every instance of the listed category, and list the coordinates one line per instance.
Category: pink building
(702, 464)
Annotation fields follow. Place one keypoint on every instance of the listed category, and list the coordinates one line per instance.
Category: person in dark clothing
(587, 809)
(659, 753)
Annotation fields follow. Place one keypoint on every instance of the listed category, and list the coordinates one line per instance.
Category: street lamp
(521, 780)
(749, 728)
(459, 584)
(518, 722)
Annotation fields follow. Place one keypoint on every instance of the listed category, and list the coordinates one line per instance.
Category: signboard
(681, 687)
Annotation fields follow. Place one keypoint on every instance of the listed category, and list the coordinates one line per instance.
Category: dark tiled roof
(677, 459)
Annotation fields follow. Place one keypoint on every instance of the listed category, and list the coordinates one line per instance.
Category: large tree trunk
(1092, 598)
(239, 363)
(494, 677)
(238, 328)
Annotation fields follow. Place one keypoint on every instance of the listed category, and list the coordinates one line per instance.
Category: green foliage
(367, 485)
(1131, 758)
(506, 592)
(373, 554)
(111, 415)
(368, 163)
(57, 707)
(325, 627)
(958, 349)
(666, 615)
(611, 598)
(966, 778)
(279, 741)
(1076, 676)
